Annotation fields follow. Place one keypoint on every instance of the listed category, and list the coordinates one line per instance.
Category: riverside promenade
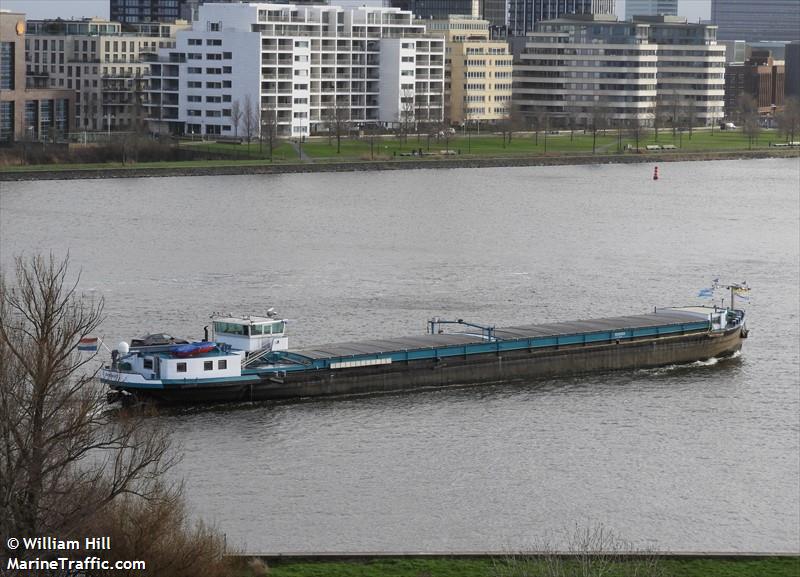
(405, 163)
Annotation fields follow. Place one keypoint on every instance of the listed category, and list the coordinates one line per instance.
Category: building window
(223, 364)
(181, 367)
(32, 119)
(6, 121)
(208, 365)
(6, 66)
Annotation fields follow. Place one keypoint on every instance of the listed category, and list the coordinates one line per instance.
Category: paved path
(300, 152)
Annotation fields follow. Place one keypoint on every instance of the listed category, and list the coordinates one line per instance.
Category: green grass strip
(500, 567)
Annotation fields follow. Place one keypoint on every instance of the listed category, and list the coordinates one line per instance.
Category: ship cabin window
(223, 364)
(208, 365)
(230, 328)
(148, 363)
(181, 367)
(268, 328)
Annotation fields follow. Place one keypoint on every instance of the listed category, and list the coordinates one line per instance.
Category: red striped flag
(87, 344)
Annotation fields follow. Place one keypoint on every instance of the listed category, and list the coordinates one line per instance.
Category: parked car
(727, 126)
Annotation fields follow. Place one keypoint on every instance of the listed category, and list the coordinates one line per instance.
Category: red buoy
(655, 173)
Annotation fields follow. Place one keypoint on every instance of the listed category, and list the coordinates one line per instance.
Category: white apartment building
(298, 66)
(102, 64)
(582, 69)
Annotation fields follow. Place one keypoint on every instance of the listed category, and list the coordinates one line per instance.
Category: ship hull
(463, 370)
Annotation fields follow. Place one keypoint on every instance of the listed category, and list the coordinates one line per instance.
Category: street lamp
(109, 117)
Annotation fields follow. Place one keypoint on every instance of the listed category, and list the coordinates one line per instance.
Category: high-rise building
(581, 70)
(477, 70)
(524, 14)
(492, 10)
(296, 69)
(129, 11)
(29, 108)
(425, 9)
(496, 12)
(650, 8)
(753, 20)
(792, 85)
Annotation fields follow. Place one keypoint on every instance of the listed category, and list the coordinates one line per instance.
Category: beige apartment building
(477, 70)
(27, 112)
(103, 64)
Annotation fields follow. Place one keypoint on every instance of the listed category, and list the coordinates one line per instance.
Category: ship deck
(663, 322)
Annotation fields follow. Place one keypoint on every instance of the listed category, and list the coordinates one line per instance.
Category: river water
(699, 458)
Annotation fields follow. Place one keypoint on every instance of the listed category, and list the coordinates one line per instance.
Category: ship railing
(257, 356)
(434, 327)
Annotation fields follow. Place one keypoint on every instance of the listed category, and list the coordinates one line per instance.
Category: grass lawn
(484, 145)
(489, 567)
(282, 152)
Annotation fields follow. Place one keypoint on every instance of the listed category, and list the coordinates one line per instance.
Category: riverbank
(403, 163)
(691, 565)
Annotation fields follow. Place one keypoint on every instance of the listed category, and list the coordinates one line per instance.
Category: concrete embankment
(403, 164)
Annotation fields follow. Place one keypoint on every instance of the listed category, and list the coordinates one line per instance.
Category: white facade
(214, 367)
(295, 66)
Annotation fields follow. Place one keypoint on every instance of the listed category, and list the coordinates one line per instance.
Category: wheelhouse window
(208, 365)
(222, 364)
(148, 363)
(269, 328)
(181, 367)
(229, 328)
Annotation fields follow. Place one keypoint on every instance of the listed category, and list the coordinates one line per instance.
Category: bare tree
(236, 117)
(512, 121)
(337, 120)
(63, 458)
(748, 113)
(371, 130)
(599, 119)
(539, 117)
(640, 121)
(443, 126)
(407, 109)
(789, 118)
(661, 114)
(250, 120)
(594, 551)
(269, 127)
(687, 114)
(675, 112)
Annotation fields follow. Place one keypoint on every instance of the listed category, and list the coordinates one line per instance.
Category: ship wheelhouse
(251, 333)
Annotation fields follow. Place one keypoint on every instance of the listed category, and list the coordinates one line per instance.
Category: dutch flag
(87, 344)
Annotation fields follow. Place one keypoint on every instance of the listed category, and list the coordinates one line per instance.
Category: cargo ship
(247, 358)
